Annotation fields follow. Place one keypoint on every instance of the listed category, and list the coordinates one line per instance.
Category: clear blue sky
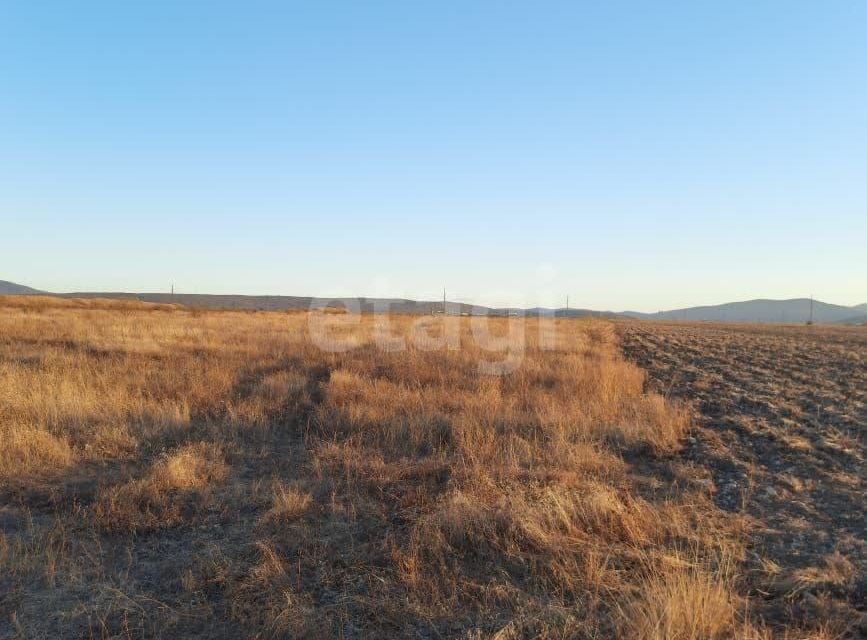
(634, 155)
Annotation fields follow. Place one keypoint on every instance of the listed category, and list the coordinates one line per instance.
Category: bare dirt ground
(781, 414)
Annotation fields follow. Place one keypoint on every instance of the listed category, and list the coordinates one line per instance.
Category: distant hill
(283, 303)
(10, 288)
(272, 303)
(795, 311)
(366, 305)
(786, 311)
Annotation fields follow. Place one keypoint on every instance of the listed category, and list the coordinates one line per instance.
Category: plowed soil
(780, 415)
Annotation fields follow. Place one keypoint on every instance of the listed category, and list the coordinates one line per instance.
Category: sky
(631, 155)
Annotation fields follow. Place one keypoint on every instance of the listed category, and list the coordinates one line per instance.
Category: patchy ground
(168, 472)
(174, 473)
(781, 414)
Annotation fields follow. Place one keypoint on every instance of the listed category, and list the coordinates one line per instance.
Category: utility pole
(173, 288)
(444, 301)
(811, 309)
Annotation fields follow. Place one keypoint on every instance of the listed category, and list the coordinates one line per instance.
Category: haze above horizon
(631, 159)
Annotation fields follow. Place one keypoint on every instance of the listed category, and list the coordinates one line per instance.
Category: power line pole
(811, 309)
(444, 301)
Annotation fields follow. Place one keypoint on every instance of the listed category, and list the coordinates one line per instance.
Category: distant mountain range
(10, 288)
(796, 310)
(785, 311)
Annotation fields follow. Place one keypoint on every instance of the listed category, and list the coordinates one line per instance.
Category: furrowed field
(167, 472)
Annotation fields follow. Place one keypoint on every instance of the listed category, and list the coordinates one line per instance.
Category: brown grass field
(167, 472)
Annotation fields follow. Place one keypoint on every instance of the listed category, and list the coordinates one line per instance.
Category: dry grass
(42, 303)
(685, 602)
(157, 499)
(216, 474)
(287, 504)
(27, 448)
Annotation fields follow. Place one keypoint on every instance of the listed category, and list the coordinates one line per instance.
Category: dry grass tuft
(157, 500)
(29, 449)
(264, 599)
(287, 504)
(682, 603)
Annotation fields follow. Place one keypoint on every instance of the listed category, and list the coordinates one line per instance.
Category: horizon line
(424, 300)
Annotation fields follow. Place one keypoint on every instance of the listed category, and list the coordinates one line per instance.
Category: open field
(176, 473)
(780, 425)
